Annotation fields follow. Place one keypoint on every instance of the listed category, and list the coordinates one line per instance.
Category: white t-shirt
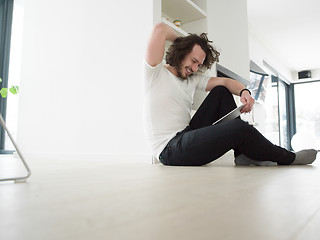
(168, 102)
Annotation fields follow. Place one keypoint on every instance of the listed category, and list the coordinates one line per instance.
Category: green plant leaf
(4, 92)
(14, 89)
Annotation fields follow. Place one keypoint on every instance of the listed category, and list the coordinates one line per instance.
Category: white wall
(260, 52)
(81, 80)
(228, 28)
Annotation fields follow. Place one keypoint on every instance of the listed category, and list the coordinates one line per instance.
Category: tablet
(231, 115)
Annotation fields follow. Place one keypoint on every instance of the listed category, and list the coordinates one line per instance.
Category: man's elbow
(159, 27)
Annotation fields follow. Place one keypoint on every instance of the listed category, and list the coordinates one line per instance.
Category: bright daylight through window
(307, 116)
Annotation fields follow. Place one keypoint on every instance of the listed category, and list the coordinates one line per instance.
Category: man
(178, 140)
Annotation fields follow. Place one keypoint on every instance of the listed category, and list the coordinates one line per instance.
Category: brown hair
(182, 46)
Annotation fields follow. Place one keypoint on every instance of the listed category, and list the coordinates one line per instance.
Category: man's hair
(182, 46)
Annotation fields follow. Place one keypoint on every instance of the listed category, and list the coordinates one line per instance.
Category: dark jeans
(201, 142)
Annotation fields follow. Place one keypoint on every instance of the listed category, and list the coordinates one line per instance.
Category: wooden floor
(132, 199)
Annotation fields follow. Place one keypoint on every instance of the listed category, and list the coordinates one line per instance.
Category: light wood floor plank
(126, 199)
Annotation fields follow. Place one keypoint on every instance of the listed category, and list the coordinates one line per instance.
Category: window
(292, 111)
(6, 9)
(272, 113)
(307, 107)
(11, 22)
(273, 97)
(264, 89)
(283, 114)
(277, 113)
(14, 71)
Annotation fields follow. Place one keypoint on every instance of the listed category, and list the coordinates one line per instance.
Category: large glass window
(6, 8)
(307, 116)
(272, 95)
(11, 22)
(272, 105)
(283, 114)
(272, 112)
(14, 71)
(276, 112)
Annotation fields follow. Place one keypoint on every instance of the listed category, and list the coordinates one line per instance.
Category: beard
(180, 75)
(181, 72)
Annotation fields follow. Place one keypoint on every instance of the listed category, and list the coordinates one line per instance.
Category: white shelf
(184, 10)
(177, 29)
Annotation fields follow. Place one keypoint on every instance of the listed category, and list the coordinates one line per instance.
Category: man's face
(191, 62)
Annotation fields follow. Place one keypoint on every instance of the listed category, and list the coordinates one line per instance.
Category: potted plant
(4, 91)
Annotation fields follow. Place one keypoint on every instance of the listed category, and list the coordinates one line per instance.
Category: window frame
(6, 13)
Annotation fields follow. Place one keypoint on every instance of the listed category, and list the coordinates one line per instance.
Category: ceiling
(291, 29)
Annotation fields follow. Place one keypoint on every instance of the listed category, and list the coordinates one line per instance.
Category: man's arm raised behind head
(156, 46)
